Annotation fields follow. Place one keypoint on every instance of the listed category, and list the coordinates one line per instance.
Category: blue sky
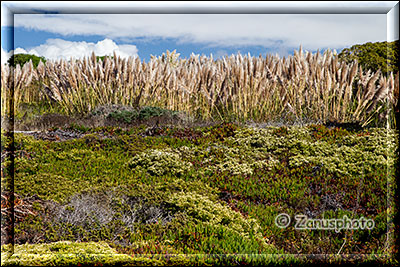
(64, 35)
(26, 39)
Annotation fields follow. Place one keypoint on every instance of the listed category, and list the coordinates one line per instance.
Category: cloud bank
(62, 49)
(276, 32)
(312, 31)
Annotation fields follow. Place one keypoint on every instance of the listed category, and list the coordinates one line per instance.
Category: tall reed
(305, 86)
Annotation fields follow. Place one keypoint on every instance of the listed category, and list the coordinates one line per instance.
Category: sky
(53, 34)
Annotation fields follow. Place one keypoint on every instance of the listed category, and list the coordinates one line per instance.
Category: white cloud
(62, 49)
(313, 31)
(279, 32)
(20, 50)
(58, 48)
(4, 56)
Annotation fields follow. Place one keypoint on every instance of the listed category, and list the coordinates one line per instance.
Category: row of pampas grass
(305, 86)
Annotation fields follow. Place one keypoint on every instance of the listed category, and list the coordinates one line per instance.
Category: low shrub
(160, 162)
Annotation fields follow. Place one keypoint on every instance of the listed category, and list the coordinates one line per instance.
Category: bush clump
(21, 59)
(160, 162)
(217, 227)
(374, 56)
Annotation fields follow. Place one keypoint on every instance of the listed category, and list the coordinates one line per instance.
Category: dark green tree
(374, 56)
(21, 59)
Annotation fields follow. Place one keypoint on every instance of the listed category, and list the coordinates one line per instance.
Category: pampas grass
(315, 87)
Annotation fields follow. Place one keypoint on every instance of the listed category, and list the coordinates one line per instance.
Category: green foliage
(202, 209)
(222, 131)
(374, 56)
(148, 112)
(220, 190)
(160, 162)
(124, 115)
(336, 149)
(21, 59)
(145, 113)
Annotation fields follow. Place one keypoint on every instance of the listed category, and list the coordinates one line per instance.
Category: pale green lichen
(232, 160)
(63, 253)
(348, 155)
(160, 162)
(235, 166)
(353, 155)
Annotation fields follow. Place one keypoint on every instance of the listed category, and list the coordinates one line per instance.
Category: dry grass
(305, 86)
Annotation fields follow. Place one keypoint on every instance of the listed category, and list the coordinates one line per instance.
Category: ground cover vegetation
(217, 193)
(191, 160)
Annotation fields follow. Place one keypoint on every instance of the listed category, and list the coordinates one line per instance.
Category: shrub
(160, 162)
(144, 113)
(374, 56)
(21, 59)
(215, 228)
(124, 115)
(148, 112)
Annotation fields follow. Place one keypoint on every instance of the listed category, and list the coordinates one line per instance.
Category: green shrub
(374, 56)
(215, 228)
(145, 113)
(160, 162)
(124, 115)
(21, 59)
(149, 112)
